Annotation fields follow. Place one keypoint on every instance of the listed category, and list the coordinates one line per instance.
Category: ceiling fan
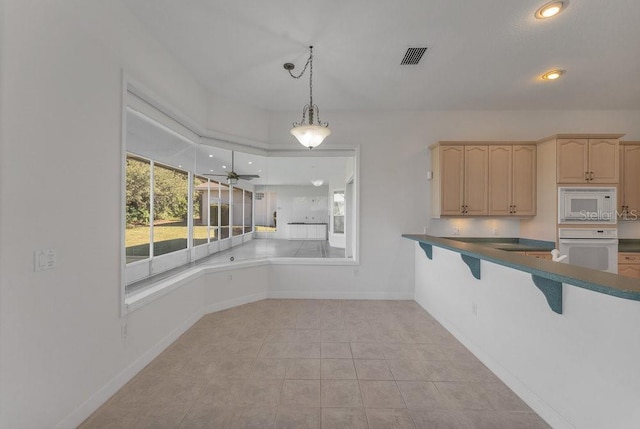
(232, 176)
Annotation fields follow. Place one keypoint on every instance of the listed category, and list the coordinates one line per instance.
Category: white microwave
(587, 205)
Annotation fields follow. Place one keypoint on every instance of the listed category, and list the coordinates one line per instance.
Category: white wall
(577, 370)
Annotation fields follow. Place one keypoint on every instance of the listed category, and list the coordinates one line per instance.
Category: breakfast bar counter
(547, 275)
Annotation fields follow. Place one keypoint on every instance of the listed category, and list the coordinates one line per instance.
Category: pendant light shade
(310, 136)
(312, 133)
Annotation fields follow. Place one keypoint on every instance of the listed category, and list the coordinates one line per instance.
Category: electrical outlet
(456, 231)
(230, 277)
(356, 272)
(424, 230)
(495, 231)
(474, 309)
(124, 331)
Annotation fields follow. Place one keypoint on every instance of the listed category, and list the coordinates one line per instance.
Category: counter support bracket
(552, 291)
(428, 249)
(473, 264)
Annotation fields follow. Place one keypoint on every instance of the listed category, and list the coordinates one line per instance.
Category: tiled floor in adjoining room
(316, 364)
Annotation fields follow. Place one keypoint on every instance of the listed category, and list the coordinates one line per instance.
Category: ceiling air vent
(413, 56)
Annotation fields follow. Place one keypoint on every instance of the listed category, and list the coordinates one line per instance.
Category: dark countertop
(307, 223)
(510, 244)
(628, 245)
(598, 281)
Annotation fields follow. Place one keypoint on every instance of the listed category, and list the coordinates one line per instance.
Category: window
(248, 211)
(213, 202)
(238, 219)
(338, 212)
(170, 209)
(173, 213)
(200, 198)
(224, 211)
(138, 210)
(177, 210)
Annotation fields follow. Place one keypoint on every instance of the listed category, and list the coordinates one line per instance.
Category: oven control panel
(593, 233)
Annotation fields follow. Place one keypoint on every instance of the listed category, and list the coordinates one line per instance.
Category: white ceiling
(483, 54)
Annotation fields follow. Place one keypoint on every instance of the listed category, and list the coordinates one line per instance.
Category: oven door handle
(599, 241)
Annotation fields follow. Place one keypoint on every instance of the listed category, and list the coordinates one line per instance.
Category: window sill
(161, 287)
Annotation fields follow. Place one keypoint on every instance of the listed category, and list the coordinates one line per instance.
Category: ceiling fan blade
(211, 174)
(248, 176)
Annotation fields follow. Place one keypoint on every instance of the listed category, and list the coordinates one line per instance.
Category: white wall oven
(595, 248)
(587, 205)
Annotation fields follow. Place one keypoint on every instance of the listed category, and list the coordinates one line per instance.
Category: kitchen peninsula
(563, 337)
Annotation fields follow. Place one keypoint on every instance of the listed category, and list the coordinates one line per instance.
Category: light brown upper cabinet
(629, 196)
(476, 162)
(588, 160)
(483, 179)
(459, 180)
(451, 180)
(512, 180)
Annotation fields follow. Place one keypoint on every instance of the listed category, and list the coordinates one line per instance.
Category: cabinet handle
(586, 176)
(591, 175)
(514, 210)
(462, 209)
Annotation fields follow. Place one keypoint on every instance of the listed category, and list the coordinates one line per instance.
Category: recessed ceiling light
(553, 74)
(210, 156)
(250, 162)
(211, 171)
(224, 166)
(551, 9)
(317, 182)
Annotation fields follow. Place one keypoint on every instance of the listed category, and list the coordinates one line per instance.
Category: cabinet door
(476, 177)
(572, 160)
(524, 180)
(500, 180)
(452, 179)
(540, 255)
(603, 161)
(629, 270)
(631, 180)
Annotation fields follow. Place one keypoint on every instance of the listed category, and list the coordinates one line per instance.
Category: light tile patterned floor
(316, 364)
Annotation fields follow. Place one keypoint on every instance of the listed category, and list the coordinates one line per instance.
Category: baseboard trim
(96, 400)
(230, 303)
(537, 404)
(291, 294)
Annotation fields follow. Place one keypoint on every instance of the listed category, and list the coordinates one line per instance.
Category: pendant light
(312, 133)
